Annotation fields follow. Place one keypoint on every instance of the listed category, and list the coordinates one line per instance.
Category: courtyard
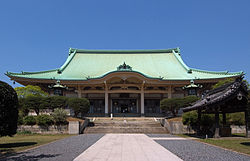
(146, 147)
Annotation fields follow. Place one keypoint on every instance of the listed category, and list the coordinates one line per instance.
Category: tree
(223, 82)
(58, 102)
(8, 110)
(187, 101)
(170, 104)
(174, 104)
(28, 90)
(79, 105)
(35, 103)
(23, 110)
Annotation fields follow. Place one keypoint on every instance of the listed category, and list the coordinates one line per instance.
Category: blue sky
(36, 35)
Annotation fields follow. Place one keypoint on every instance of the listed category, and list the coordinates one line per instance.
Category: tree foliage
(44, 120)
(207, 122)
(34, 103)
(8, 110)
(79, 105)
(29, 120)
(223, 82)
(58, 102)
(174, 104)
(28, 90)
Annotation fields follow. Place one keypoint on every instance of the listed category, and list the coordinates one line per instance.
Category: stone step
(159, 130)
(128, 125)
(125, 125)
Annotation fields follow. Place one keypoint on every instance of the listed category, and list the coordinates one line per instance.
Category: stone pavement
(127, 147)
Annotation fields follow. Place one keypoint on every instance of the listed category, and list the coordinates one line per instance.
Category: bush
(236, 118)
(59, 116)
(190, 118)
(24, 132)
(44, 120)
(206, 124)
(8, 110)
(29, 120)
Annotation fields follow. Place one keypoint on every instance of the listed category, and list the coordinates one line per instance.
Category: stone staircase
(125, 125)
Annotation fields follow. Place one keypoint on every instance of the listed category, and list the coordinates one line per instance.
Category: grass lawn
(236, 143)
(20, 142)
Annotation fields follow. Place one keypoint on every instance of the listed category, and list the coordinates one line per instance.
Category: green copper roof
(91, 64)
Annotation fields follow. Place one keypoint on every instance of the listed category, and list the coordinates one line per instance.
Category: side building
(130, 82)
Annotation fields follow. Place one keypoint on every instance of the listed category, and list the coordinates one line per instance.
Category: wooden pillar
(199, 122)
(247, 124)
(224, 119)
(79, 91)
(142, 99)
(170, 91)
(217, 128)
(106, 99)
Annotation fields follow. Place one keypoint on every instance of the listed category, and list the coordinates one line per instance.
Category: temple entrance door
(124, 109)
(124, 106)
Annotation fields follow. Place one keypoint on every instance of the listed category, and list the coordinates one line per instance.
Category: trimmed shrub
(174, 104)
(34, 102)
(79, 105)
(190, 118)
(44, 120)
(58, 102)
(8, 110)
(59, 116)
(29, 120)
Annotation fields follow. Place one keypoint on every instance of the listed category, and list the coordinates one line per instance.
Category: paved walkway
(127, 147)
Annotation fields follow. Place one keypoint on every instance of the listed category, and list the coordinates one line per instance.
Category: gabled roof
(233, 94)
(93, 64)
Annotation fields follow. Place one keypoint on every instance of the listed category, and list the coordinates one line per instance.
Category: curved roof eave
(21, 75)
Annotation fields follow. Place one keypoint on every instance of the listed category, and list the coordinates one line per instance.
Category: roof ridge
(218, 72)
(24, 73)
(178, 57)
(125, 51)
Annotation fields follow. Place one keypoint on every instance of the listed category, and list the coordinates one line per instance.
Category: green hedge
(44, 120)
(29, 120)
(59, 116)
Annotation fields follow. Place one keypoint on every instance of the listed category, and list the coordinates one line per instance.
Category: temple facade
(120, 82)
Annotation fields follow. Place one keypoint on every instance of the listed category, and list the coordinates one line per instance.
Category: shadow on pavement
(246, 143)
(14, 145)
(27, 156)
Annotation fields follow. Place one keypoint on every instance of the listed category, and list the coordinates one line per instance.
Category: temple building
(130, 82)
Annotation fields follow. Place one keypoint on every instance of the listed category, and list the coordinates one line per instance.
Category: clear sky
(36, 35)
